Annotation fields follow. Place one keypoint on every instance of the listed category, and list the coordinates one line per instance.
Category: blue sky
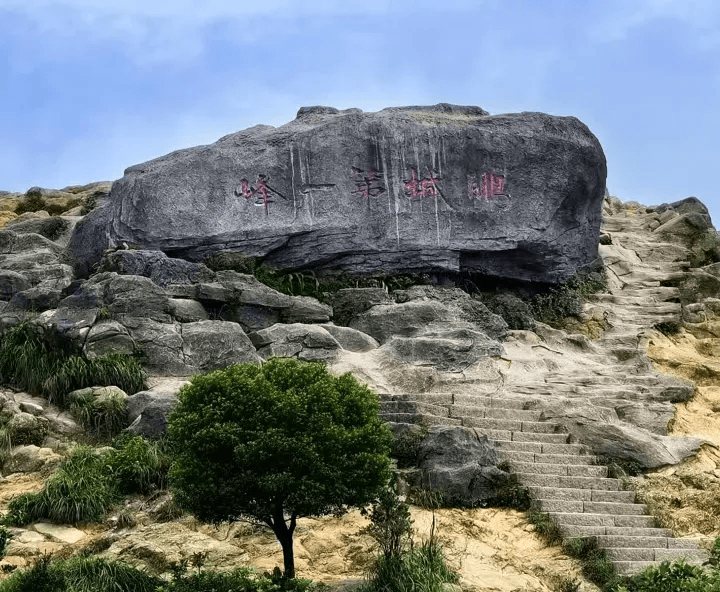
(90, 87)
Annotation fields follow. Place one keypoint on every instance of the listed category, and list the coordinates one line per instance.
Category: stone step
(559, 469)
(651, 554)
(563, 506)
(497, 402)
(542, 447)
(616, 541)
(550, 458)
(601, 519)
(577, 530)
(428, 398)
(517, 414)
(541, 427)
(577, 494)
(419, 418)
(567, 482)
(494, 435)
(413, 407)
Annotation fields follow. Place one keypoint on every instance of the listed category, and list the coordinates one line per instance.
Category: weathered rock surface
(461, 464)
(441, 188)
(148, 413)
(157, 266)
(296, 340)
(32, 275)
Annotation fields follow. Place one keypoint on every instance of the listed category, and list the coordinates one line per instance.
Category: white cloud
(162, 31)
(701, 15)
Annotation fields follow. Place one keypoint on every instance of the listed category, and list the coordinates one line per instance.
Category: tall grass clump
(80, 574)
(5, 537)
(139, 465)
(80, 490)
(77, 372)
(421, 569)
(103, 416)
(27, 360)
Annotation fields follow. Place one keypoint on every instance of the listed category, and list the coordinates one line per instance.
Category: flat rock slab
(59, 534)
(423, 189)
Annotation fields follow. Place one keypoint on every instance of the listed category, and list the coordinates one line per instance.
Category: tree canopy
(275, 442)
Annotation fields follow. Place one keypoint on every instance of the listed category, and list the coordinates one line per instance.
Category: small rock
(59, 534)
(31, 408)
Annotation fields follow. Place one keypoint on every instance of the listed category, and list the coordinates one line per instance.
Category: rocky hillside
(631, 380)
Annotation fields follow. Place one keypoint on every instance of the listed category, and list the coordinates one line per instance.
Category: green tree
(275, 442)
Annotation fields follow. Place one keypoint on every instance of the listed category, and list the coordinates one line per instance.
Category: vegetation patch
(401, 566)
(89, 482)
(102, 415)
(307, 282)
(40, 366)
(406, 447)
(275, 442)
(705, 248)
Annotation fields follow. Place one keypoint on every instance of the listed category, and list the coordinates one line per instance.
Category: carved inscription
(261, 193)
(367, 183)
(490, 185)
(426, 187)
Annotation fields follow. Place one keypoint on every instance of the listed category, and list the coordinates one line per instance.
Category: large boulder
(461, 464)
(422, 189)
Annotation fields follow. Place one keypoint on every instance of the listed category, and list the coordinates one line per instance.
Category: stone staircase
(561, 477)
(612, 373)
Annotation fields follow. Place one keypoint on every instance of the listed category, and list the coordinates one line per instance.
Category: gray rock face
(461, 464)
(441, 188)
(32, 272)
(453, 349)
(148, 412)
(305, 342)
(157, 266)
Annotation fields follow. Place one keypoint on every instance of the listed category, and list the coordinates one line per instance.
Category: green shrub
(242, 579)
(670, 577)
(80, 574)
(390, 523)
(80, 490)
(32, 202)
(5, 537)
(705, 248)
(546, 527)
(422, 569)
(510, 495)
(406, 448)
(566, 300)
(138, 465)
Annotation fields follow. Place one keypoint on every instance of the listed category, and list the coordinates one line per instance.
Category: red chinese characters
(262, 191)
(490, 185)
(367, 183)
(427, 187)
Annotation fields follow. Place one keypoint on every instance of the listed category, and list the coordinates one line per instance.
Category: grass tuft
(422, 569)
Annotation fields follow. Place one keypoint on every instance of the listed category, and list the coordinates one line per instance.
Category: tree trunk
(285, 536)
(288, 555)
